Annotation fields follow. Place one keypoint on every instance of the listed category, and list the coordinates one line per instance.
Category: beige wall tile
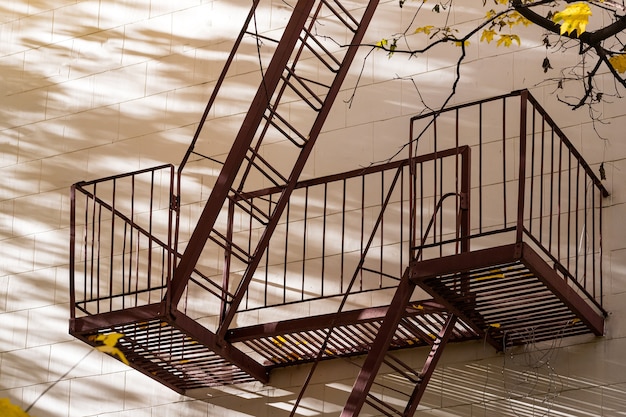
(95, 88)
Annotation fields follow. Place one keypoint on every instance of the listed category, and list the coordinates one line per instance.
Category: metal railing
(121, 240)
(350, 232)
(529, 183)
(356, 231)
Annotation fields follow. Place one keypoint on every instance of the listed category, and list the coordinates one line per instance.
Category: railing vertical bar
(343, 235)
(362, 230)
(402, 211)
(551, 215)
(98, 257)
(150, 241)
(593, 238)
(132, 223)
(73, 252)
(456, 175)
(165, 256)
(306, 209)
(412, 225)
(480, 168)
(382, 227)
(112, 244)
(173, 229)
(440, 211)
(267, 256)
(577, 252)
(541, 183)
(522, 164)
(249, 249)
(504, 202)
(601, 253)
(93, 241)
(465, 213)
(137, 266)
(123, 265)
(422, 217)
(569, 209)
(325, 211)
(532, 172)
(286, 258)
(586, 227)
(89, 252)
(436, 142)
(558, 215)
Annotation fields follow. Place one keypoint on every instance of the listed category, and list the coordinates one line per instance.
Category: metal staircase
(420, 237)
(268, 120)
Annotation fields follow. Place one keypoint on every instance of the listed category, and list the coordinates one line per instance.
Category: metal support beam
(380, 346)
(314, 132)
(429, 366)
(562, 290)
(242, 143)
(366, 315)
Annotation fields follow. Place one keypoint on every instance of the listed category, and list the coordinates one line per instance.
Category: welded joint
(464, 203)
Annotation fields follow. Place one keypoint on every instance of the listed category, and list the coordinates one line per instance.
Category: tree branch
(590, 38)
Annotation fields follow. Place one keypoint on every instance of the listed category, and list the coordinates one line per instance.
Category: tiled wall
(99, 87)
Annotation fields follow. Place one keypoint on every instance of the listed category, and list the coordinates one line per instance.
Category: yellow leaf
(575, 17)
(619, 63)
(382, 43)
(10, 410)
(520, 19)
(109, 342)
(487, 35)
(424, 29)
(490, 14)
(461, 43)
(507, 40)
(494, 273)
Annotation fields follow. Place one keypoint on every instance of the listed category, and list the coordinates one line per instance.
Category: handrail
(597, 182)
(537, 181)
(216, 89)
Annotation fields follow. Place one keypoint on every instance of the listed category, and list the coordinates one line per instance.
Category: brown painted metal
(429, 366)
(96, 322)
(528, 287)
(379, 347)
(300, 163)
(300, 340)
(375, 358)
(521, 191)
(239, 149)
(566, 293)
(319, 322)
(514, 289)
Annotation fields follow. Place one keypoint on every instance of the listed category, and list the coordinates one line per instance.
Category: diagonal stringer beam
(429, 365)
(376, 356)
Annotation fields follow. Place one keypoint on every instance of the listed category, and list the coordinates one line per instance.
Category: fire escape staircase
(532, 272)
